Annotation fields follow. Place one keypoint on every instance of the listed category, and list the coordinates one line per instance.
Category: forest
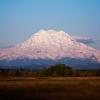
(58, 70)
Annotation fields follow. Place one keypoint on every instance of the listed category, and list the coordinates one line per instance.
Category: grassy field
(48, 88)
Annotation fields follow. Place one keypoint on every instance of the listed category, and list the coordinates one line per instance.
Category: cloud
(84, 39)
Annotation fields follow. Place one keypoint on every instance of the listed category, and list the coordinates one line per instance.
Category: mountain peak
(52, 45)
(53, 34)
(50, 31)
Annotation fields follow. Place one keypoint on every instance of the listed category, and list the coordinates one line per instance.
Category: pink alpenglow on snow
(52, 45)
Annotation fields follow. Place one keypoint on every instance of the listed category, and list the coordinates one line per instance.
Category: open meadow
(50, 88)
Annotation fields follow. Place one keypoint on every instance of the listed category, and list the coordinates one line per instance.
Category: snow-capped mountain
(50, 47)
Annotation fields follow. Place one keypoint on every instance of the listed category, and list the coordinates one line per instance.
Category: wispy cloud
(84, 39)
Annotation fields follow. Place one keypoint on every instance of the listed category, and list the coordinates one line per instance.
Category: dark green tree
(98, 72)
(4, 72)
(18, 73)
(60, 70)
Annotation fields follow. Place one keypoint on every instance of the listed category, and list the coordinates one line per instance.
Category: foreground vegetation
(59, 82)
(59, 70)
(50, 88)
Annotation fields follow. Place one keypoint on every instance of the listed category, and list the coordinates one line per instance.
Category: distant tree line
(58, 70)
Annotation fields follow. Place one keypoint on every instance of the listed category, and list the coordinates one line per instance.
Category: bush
(58, 70)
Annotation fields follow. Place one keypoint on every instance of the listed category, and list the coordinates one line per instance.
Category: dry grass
(48, 88)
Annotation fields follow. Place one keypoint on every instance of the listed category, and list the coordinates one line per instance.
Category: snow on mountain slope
(52, 45)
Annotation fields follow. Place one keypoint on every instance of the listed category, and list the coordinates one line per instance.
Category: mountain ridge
(52, 45)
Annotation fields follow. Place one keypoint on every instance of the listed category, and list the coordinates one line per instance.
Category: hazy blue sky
(20, 18)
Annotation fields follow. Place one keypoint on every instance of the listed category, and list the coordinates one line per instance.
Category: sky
(19, 19)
